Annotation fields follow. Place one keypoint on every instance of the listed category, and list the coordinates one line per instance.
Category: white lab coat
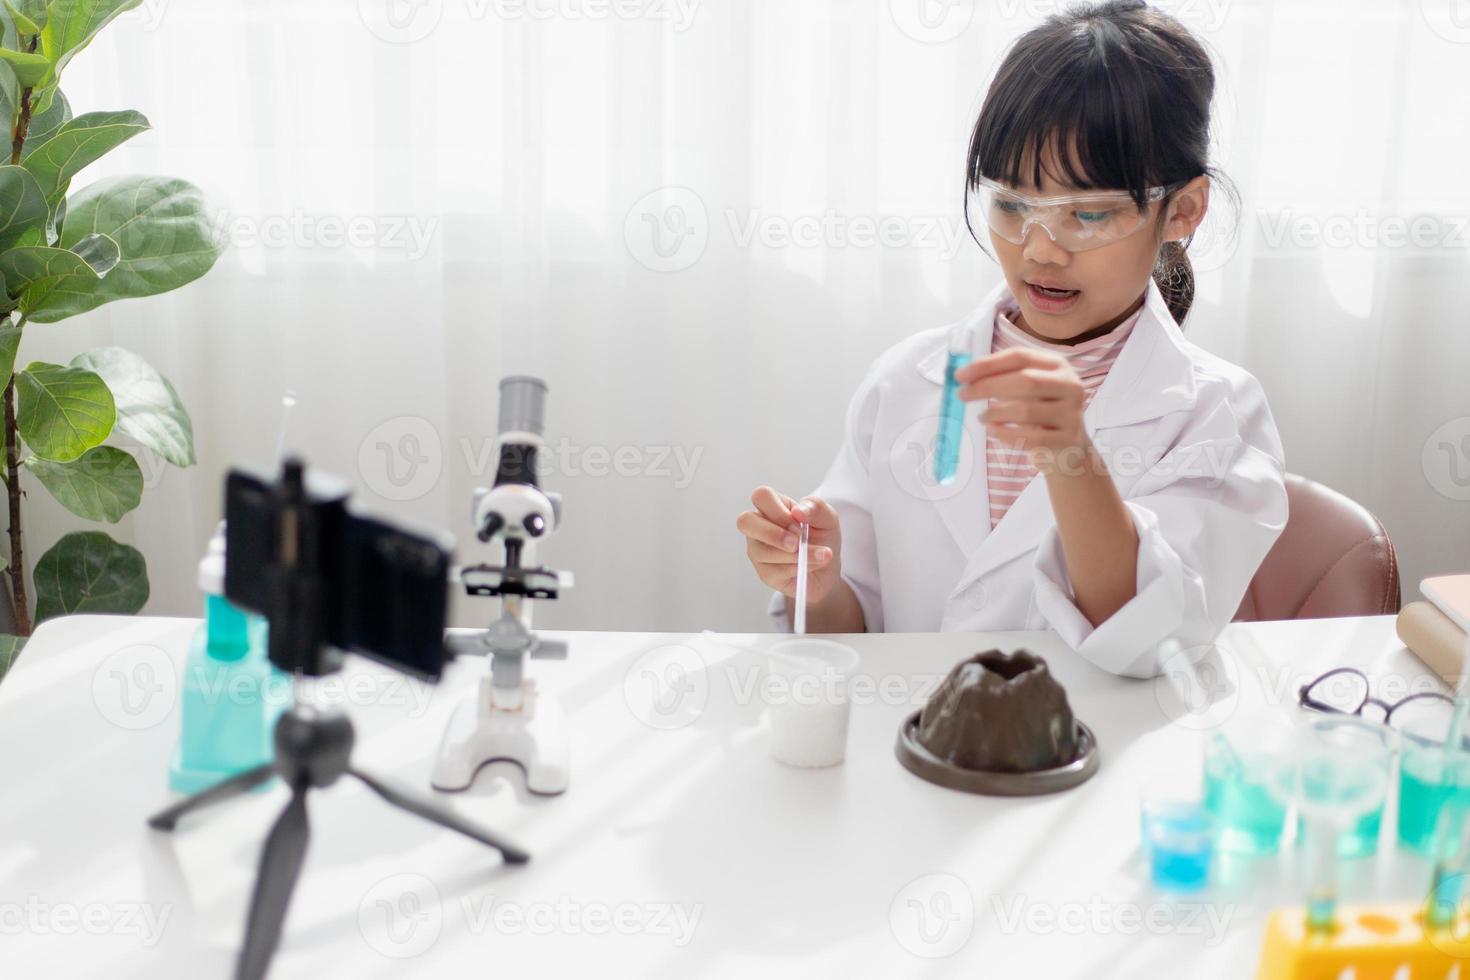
(1188, 439)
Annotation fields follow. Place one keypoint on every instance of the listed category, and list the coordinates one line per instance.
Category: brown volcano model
(1000, 712)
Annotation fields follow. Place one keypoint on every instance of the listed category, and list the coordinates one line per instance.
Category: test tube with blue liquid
(963, 348)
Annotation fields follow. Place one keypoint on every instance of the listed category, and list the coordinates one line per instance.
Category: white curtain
(700, 220)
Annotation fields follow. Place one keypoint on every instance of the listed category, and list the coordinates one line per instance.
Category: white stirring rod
(800, 624)
(288, 402)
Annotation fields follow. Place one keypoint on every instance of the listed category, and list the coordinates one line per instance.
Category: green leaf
(30, 68)
(78, 143)
(73, 24)
(45, 124)
(160, 225)
(29, 15)
(54, 283)
(62, 411)
(10, 647)
(88, 572)
(9, 343)
(9, 86)
(70, 26)
(103, 484)
(148, 408)
(22, 205)
(100, 253)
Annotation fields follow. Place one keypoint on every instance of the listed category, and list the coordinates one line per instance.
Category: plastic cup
(1346, 768)
(807, 698)
(1179, 840)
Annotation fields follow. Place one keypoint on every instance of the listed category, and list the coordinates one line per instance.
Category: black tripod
(313, 748)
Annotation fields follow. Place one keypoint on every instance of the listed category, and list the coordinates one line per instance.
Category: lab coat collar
(1152, 376)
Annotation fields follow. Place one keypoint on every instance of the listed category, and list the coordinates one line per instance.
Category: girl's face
(1108, 282)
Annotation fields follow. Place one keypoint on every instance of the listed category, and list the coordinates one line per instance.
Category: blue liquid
(1321, 913)
(951, 422)
(1179, 843)
(1250, 818)
(231, 697)
(1444, 898)
(1423, 794)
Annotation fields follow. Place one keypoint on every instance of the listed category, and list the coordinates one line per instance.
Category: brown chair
(1333, 558)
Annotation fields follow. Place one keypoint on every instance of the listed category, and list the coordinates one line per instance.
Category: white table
(680, 850)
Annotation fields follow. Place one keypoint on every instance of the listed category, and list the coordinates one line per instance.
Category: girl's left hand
(1036, 403)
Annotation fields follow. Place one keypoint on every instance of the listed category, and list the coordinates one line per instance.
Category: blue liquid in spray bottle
(951, 409)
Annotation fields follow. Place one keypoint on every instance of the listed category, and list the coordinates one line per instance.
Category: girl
(1123, 485)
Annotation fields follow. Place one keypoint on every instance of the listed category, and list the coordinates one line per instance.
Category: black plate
(925, 764)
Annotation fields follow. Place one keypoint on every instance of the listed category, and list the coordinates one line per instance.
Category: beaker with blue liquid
(1375, 744)
(1242, 761)
(964, 346)
(1434, 782)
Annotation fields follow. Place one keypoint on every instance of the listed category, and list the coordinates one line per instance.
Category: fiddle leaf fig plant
(63, 253)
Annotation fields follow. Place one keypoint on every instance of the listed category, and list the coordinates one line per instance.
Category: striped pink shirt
(1009, 470)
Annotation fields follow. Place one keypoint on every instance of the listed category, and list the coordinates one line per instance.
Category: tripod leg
(280, 866)
(444, 818)
(234, 786)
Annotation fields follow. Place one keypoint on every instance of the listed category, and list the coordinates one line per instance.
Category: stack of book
(1435, 629)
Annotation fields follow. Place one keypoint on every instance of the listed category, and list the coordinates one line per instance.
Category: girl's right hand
(773, 531)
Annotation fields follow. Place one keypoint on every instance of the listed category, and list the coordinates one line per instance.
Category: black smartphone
(355, 582)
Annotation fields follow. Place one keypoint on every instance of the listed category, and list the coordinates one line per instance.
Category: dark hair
(1125, 87)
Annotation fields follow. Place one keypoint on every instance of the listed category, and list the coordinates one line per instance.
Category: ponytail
(1174, 275)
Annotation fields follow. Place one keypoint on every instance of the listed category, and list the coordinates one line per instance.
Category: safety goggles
(1076, 222)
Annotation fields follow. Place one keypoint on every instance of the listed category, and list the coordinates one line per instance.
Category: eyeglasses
(1345, 691)
(1076, 222)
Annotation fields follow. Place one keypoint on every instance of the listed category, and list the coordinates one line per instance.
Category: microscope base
(532, 736)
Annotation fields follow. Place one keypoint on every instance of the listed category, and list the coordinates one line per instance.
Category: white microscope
(509, 719)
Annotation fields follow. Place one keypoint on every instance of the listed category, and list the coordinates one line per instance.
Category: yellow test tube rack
(1375, 940)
